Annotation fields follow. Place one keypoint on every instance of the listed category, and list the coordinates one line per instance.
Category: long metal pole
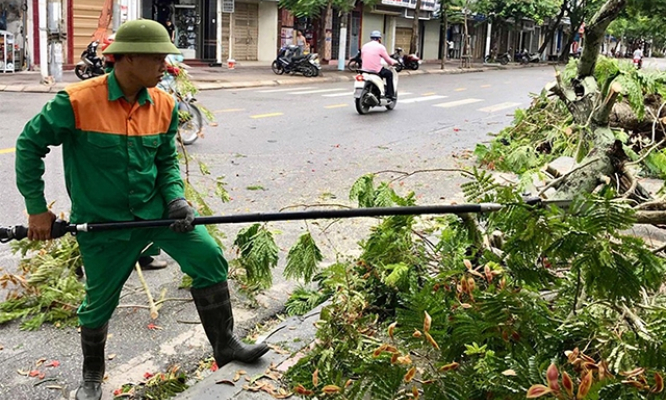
(61, 227)
(297, 215)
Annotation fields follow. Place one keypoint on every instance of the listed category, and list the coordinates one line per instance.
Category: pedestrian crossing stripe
(284, 90)
(498, 107)
(420, 99)
(352, 93)
(317, 91)
(338, 94)
(457, 103)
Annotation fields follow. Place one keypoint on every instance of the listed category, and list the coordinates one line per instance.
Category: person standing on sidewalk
(119, 168)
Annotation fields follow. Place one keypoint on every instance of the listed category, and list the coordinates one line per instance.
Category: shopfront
(13, 19)
(195, 27)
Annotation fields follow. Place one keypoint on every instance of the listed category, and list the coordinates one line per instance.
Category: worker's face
(148, 69)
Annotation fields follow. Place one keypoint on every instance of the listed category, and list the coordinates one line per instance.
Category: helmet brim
(141, 48)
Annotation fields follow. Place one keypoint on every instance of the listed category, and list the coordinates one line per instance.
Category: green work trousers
(109, 260)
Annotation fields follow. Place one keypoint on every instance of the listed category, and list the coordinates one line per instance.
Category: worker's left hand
(181, 210)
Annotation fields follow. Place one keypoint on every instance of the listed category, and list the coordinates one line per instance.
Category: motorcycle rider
(372, 54)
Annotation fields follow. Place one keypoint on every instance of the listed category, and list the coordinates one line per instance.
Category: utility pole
(342, 47)
(218, 36)
(43, 44)
(490, 28)
(55, 37)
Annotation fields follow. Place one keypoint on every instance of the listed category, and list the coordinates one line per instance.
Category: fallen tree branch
(564, 176)
(651, 217)
(151, 303)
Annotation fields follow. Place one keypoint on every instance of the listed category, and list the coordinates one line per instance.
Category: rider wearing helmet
(372, 54)
(118, 134)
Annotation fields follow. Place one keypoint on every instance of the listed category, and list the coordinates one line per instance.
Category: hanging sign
(228, 6)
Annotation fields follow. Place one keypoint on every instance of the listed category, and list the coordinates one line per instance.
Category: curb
(218, 85)
(288, 341)
(213, 85)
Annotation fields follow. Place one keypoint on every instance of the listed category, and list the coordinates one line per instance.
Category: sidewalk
(289, 342)
(246, 74)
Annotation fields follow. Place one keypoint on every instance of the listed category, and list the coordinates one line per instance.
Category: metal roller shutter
(85, 18)
(402, 38)
(246, 31)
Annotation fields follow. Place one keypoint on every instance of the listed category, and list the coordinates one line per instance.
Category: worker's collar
(115, 92)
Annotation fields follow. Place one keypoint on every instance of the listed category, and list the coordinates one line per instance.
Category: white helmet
(376, 35)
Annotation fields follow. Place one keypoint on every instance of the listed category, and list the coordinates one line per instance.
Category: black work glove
(181, 210)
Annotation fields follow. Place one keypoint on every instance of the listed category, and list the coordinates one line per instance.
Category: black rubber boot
(214, 307)
(92, 344)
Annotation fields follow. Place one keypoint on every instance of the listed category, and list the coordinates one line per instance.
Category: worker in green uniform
(117, 133)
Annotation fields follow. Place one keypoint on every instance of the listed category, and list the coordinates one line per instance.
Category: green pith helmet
(142, 36)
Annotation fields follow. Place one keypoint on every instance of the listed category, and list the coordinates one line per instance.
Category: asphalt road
(277, 148)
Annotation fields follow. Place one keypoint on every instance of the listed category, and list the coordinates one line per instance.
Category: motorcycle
(369, 90)
(410, 61)
(190, 116)
(638, 62)
(525, 57)
(355, 63)
(290, 60)
(91, 65)
(503, 58)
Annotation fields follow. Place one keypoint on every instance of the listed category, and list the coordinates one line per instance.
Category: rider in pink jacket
(371, 55)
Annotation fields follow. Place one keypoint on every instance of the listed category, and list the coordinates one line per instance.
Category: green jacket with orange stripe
(120, 159)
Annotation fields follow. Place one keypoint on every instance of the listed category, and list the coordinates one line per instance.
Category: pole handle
(19, 232)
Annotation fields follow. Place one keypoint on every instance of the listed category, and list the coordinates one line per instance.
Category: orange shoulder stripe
(94, 112)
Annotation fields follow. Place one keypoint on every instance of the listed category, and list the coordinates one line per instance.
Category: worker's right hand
(181, 210)
(39, 225)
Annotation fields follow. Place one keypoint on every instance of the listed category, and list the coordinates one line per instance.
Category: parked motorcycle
(91, 65)
(355, 63)
(503, 58)
(369, 90)
(525, 57)
(289, 60)
(410, 61)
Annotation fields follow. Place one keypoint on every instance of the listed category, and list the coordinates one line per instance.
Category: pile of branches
(526, 302)
(548, 130)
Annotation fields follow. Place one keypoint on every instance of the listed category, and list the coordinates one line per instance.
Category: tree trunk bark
(445, 29)
(414, 42)
(594, 35)
(553, 28)
(465, 51)
(321, 43)
(589, 108)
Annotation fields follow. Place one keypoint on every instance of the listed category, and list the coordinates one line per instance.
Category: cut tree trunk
(591, 110)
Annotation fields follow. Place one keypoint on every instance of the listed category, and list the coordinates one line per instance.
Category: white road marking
(498, 107)
(420, 99)
(317, 91)
(457, 103)
(351, 93)
(283, 90)
(338, 94)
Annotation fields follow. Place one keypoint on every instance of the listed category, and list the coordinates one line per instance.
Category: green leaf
(302, 259)
(259, 254)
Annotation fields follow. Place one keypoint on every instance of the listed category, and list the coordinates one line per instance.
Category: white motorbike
(369, 90)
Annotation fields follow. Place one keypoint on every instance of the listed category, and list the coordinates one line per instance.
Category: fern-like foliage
(48, 290)
(303, 300)
(258, 254)
(303, 258)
